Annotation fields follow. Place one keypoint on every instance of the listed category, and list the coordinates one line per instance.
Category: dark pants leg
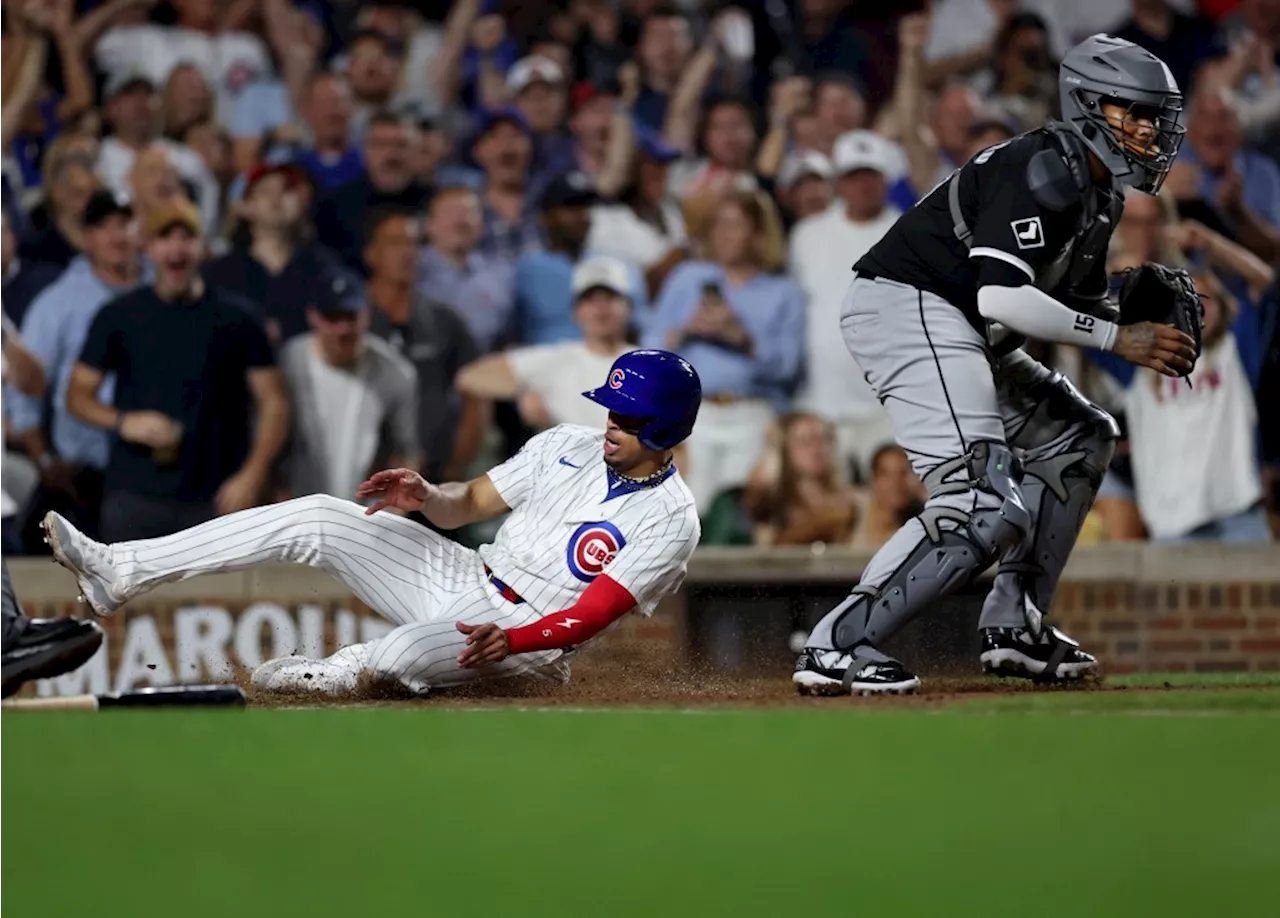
(13, 617)
(127, 516)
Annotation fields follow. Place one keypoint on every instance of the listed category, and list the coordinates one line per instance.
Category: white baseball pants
(414, 578)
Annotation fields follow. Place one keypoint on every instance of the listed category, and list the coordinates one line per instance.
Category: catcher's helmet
(1102, 69)
(657, 386)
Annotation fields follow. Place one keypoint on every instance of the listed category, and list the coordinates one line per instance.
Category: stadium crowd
(261, 247)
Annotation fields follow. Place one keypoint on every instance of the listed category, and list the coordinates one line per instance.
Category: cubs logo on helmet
(591, 548)
(616, 378)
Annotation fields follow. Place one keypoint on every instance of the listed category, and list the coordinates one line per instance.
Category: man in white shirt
(131, 111)
(230, 61)
(823, 250)
(355, 399)
(547, 380)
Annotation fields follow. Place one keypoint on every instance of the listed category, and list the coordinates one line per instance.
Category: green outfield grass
(1118, 803)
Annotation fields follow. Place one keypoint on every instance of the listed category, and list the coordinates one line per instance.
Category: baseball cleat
(335, 675)
(45, 648)
(1051, 657)
(91, 563)
(830, 672)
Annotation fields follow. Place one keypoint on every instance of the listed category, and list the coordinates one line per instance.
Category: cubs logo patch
(591, 548)
(616, 378)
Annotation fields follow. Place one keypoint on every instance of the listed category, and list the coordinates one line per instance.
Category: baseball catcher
(1012, 246)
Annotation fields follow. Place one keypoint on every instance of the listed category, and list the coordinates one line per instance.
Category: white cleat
(91, 562)
(335, 676)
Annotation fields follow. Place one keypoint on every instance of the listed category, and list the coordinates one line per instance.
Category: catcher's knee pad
(956, 544)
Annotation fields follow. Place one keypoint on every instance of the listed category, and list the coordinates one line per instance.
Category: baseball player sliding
(1012, 244)
(600, 524)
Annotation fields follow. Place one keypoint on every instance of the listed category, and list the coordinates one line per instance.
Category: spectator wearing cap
(354, 398)
(229, 59)
(543, 279)
(70, 453)
(57, 238)
(803, 185)
(644, 224)
(604, 133)
(546, 381)
(388, 181)
(131, 110)
(503, 149)
(328, 153)
(742, 326)
(23, 280)
(821, 247)
(192, 367)
(274, 263)
(536, 88)
(431, 336)
(453, 271)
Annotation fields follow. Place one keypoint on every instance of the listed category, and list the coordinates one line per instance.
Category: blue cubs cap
(660, 387)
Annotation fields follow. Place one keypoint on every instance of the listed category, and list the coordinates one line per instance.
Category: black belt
(865, 275)
(507, 593)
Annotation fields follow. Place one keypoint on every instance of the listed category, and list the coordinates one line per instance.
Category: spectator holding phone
(742, 326)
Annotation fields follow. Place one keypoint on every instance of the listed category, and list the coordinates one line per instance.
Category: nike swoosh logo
(564, 461)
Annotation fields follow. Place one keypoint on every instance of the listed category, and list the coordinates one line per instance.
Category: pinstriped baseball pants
(415, 578)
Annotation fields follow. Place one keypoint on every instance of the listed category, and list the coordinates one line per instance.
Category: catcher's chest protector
(1059, 179)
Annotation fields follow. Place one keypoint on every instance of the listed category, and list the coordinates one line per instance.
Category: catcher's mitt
(1154, 293)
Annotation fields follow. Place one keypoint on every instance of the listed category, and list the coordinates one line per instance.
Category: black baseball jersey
(1014, 238)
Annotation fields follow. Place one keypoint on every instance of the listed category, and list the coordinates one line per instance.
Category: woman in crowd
(1023, 77)
(797, 495)
(741, 325)
(895, 496)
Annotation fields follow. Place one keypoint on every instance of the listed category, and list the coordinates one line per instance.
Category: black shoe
(1052, 657)
(48, 647)
(829, 672)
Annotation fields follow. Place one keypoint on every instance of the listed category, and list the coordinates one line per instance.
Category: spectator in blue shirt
(330, 156)
(23, 280)
(454, 272)
(741, 325)
(54, 330)
(1245, 186)
(544, 300)
(503, 149)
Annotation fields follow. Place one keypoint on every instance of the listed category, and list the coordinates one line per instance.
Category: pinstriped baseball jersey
(572, 520)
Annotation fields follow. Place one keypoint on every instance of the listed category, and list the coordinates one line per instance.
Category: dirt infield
(634, 680)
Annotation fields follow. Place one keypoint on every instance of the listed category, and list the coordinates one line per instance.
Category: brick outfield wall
(1182, 627)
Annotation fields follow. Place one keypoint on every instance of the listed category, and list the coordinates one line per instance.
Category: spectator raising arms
(742, 326)
(354, 398)
(191, 369)
(546, 381)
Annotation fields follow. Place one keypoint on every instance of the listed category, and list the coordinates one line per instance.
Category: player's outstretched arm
(449, 506)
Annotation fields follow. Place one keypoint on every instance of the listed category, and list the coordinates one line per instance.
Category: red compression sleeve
(601, 604)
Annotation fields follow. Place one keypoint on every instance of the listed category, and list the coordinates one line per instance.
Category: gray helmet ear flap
(1102, 70)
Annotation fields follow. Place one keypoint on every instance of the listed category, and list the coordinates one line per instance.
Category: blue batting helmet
(658, 386)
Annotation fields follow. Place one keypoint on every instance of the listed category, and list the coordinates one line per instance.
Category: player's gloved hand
(1160, 347)
(402, 489)
(485, 644)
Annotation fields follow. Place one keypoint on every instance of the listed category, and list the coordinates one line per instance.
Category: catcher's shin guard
(934, 553)
(1060, 480)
